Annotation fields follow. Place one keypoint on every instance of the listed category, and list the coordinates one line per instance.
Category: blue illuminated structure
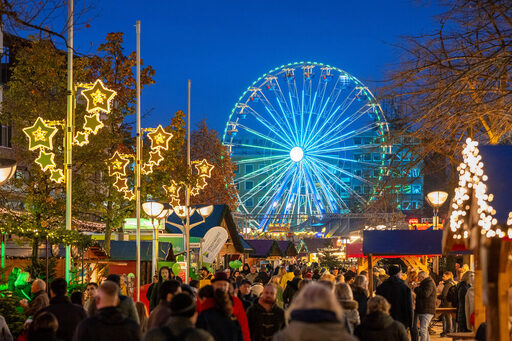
(309, 140)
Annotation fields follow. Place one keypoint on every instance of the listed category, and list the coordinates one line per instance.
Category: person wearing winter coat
(158, 317)
(163, 275)
(462, 289)
(346, 301)
(291, 290)
(181, 323)
(108, 323)
(378, 325)
(40, 299)
(360, 293)
(399, 295)
(314, 315)
(45, 328)
(425, 304)
(264, 316)
(470, 306)
(449, 288)
(223, 313)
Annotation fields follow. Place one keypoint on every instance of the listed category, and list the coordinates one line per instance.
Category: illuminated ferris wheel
(308, 141)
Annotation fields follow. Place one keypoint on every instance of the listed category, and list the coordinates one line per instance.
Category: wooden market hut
(316, 245)
(481, 219)
(287, 248)
(265, 248)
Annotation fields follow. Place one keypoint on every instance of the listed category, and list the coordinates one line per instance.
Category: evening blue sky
(224, 45)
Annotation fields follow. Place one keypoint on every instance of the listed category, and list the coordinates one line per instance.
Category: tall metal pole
(69, 135)
(187, 222)
(138, 165)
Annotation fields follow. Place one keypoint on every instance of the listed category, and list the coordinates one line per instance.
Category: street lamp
(7, 169)
(185, 214)
(153, 210)
(436, 199)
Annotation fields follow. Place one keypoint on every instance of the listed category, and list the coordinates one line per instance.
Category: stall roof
(497, 161)
(287, 248)
(220, 213)
(125, 250)
(315, 244)
(402, 242)
(265, 248)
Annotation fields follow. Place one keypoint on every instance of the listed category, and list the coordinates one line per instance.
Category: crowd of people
(292, 302)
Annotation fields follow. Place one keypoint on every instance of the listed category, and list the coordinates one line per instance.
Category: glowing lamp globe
(436, 199)
(152, 208)
(296, 154)
(7, 169)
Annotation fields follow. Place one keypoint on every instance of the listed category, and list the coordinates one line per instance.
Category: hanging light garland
(41, 134)
(472, 184)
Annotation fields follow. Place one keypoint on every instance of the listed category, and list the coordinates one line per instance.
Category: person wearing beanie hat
(399, 295)
(181, 324)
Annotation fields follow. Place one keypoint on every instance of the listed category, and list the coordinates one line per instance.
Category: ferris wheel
(308, 139)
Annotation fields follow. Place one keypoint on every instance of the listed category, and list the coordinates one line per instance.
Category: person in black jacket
(360, 293)
(108, 324)
(68, 315)
(163, 276)
(264, 316)
(291, 290)
(462, 289)
(378, 325)
(447, 298)
(425, 304)
(399, 295)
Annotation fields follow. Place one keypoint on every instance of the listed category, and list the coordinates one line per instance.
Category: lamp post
(7, 170)
(185, 214)
(436, 199)
(153, 210)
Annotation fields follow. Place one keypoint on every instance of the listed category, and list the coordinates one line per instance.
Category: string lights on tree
(472, 188)
(204, 172)
(41, 134)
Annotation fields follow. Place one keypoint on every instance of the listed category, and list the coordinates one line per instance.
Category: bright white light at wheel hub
(296, 154)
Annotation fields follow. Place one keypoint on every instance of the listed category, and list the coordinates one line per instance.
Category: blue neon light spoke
(260, 171)
(268, 138)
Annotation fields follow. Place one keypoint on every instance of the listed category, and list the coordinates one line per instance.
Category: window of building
(5, 136)
(249, 202)
(249, 168)
(416, 189)
(357, 189)
(357, 140)
(249, 185)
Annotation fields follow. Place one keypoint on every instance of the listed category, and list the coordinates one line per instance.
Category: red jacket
(238, 312)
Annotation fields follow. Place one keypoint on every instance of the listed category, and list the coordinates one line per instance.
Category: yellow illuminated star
(204, 168)
(201, 182)
(98, 97)
(160, 138)
(45, 160)
(118, 165)
(92, 123)
(40, 135)
(155, 157)
(82, 138)
(173, 190)
(175, 201)
(121, 184)
(195, 191)
(147, 168)
(57, 175)
(129, 195)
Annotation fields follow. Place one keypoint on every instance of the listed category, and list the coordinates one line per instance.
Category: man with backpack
(181, 324)
(448, 299)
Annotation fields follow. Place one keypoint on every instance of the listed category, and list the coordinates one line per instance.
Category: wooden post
(370, 275)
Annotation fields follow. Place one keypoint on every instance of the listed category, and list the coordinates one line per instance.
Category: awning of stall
(264, 248)
(287, 248)
(402, 242)
(126, 250)
(221, 216)
(314, 245)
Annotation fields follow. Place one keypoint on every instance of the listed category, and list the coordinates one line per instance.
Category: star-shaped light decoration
(92, 123)
(173, 190)
(57, 175)
(155, 157)
(147, 168)
(40, 135)
(195, 191)
(121, 184)
(201, 182)
(204, 168)
(175, 201)
(45, 160)
(117, 166)
(82, 138)
(129, 195)
(98, 97)
(160, 138)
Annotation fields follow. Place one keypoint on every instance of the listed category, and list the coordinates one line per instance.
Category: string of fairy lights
(472, 183)
(41, 134)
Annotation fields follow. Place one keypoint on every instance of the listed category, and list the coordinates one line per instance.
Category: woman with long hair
(276, 280)
(360, 294)
(346, 300)
(314, 315)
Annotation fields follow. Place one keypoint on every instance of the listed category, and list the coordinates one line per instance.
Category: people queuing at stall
(288, 302)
